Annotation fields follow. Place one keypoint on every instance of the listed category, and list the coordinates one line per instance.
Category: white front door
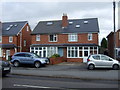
(7, 54)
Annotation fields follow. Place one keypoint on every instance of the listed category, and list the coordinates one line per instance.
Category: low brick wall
(57, 60)
(75, 60)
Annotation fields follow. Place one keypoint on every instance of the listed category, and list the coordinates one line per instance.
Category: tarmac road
(19, 81)
(68, 70)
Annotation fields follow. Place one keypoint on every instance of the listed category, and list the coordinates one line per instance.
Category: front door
(7, 54)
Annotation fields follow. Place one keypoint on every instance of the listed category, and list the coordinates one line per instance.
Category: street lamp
(114, 6)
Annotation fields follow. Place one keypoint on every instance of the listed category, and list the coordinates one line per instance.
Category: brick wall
(117, 39)
(26, 36)
(74, 59)
(63, 38)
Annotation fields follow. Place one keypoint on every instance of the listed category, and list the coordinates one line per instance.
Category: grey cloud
(34, 12)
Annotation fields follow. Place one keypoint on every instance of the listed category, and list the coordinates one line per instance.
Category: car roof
(23, 53)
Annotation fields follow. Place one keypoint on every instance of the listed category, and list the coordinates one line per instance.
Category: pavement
(68, 70)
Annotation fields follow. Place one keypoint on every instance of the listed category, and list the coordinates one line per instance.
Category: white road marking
(31, 86)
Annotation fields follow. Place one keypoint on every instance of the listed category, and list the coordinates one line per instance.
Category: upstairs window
(0, 39)
(27, 28)
(89, 37)
(37, 37)
(24, 43)
(10, 39)
(73, 37)
(53, 38)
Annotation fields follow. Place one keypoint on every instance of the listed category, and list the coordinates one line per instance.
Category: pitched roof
(12, 28)
(86, 25)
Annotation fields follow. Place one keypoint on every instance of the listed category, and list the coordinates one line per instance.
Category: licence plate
(7, 68)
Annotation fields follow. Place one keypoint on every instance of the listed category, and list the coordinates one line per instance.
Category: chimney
(64, 21)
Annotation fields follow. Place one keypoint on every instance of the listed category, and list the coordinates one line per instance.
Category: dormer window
(49, 23)
(15, 25)
(11, 25)
(77, 26)
(85, 22)
(70, 23)
(8, 28)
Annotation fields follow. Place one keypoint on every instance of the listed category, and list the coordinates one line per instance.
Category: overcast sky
(33, 12)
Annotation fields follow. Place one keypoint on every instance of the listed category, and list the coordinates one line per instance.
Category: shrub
(55, 55)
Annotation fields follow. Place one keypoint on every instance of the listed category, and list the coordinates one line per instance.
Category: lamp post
(114, 6)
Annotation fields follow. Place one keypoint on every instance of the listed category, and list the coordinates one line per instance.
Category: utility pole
(114, 6)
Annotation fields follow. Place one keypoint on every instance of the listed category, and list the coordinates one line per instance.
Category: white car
(102, 61)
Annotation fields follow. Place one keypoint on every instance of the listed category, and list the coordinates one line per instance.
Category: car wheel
(37, 64)
(91, 67)
(115, 67)
(16, 63)
(3, 75)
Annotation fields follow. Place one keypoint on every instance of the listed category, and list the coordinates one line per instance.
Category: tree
(104, 43)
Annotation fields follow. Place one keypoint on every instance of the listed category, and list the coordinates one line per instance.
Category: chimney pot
(64, 20)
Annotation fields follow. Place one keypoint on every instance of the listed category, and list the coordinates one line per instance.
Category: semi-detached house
(15, 37)
(74, 39)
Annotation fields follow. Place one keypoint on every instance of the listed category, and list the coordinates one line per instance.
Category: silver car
(102, 61)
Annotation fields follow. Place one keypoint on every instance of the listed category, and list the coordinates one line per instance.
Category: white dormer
(77, 26)
(49, 23)
(70, 22)
(85, 22)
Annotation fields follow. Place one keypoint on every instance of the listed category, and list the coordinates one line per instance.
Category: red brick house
(15, 38)
(111, 44)
(74, 39)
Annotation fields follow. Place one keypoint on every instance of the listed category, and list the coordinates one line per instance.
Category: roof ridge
(68, 19)
(15, 22)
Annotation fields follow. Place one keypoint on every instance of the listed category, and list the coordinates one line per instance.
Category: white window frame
(37, 37)
(0, 39)
(73, 37)
(78, 51)
(49, 50)
(54, 36)
(25, 42)
(27, 28)
(1, 52)
(10, 38)
(91, 36)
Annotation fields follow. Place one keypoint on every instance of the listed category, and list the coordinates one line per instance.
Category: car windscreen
(36, 56)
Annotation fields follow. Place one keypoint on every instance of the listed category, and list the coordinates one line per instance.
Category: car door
(97, 60)
(107, 62)
(29, 59)
(21, 57)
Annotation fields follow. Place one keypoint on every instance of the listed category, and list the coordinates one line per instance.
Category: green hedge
(55, 55)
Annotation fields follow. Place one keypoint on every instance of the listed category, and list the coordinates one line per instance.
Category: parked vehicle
(4, 67)
(28, 58)
(102, 61)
